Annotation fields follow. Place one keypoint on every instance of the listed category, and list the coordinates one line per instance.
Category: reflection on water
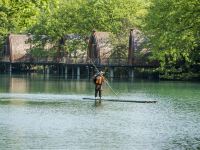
(38, 113)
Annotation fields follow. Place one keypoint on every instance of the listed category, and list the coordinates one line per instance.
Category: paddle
(105, 78)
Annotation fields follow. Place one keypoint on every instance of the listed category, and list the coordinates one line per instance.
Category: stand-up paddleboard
(119, 100)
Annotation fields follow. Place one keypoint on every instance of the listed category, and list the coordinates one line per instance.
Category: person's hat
(101, 72)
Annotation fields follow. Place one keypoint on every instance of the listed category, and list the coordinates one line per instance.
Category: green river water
(41, 113)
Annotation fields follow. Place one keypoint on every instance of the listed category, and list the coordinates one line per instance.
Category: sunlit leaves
(82, 16)
(173, 29)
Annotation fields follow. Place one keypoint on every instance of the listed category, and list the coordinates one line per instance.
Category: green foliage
(38, 52)
(171, 26)
(19, 16)
(120, 46)
(173, 29)
(74, 44)
(82, 16)
(116, 16)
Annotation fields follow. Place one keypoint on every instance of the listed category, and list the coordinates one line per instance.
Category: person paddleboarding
(98, 80)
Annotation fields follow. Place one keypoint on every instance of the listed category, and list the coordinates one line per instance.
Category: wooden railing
(4, 59)
(82, 60)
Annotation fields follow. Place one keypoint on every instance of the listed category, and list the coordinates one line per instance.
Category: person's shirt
(100, 79)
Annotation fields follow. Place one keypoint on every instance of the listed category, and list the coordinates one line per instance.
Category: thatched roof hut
(17, 47)
(99, 45)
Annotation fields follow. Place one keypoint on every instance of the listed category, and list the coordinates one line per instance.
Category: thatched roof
(103, 43)
(18, 46)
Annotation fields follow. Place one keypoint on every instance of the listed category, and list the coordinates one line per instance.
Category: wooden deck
(116, 62)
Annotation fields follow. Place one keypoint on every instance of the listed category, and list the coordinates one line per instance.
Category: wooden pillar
(66, 71)
(92, 69)
(131, 73)
(47, 71)
(44, 69)
(92, 45)
(131, 48)
(58, 69)
(88, 71)
(78, 72)
(111, 73)
(5, 67)
(72, 72)
(62, 70)
(29, 68)
(10, 68)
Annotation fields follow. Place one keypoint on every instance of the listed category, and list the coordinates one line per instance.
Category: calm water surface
(40, 113)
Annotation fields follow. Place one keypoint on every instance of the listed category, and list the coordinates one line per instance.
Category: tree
(173, 29)
(82, 16)
(19, 16)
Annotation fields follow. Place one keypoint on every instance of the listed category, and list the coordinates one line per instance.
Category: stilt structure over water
(15, 56)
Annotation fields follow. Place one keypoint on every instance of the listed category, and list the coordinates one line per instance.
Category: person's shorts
(98, 87)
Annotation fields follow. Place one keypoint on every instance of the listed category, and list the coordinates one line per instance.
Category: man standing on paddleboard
(98, 80)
